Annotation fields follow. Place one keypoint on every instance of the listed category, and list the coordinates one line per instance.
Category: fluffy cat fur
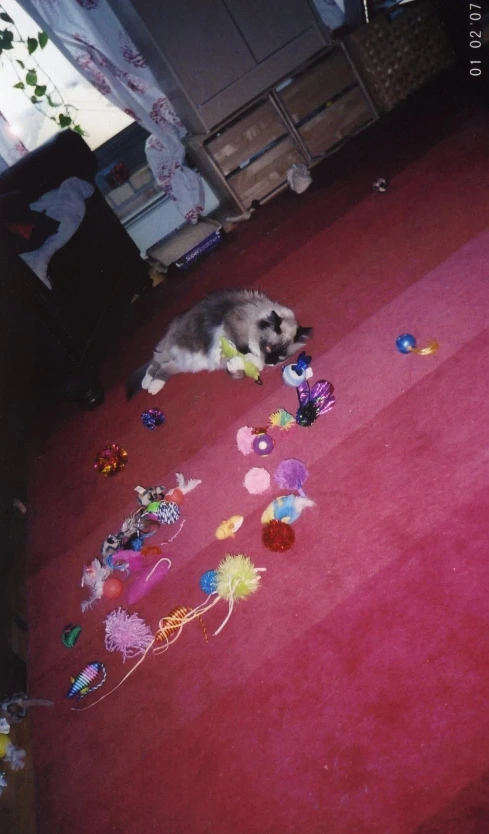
(266, 332)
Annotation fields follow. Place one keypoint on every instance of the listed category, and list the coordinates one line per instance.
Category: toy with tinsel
(277, 518)
(294, 374)
(236, 361)
(313, 402)
(152, 418)
(235, 579)
(406, 343)
(278, 536)
(110, 460)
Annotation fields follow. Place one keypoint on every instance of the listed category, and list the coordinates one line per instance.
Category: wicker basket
(397, 57)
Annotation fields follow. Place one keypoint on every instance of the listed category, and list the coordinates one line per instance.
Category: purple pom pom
(291, 474)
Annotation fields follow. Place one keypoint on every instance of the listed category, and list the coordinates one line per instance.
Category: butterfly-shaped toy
(314, 401)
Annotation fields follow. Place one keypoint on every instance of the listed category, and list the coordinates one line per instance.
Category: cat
(265, 331)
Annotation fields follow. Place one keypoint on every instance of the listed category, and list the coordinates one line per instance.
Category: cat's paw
(235, 368)
(155, 386)
(257, 361)
(147, 380)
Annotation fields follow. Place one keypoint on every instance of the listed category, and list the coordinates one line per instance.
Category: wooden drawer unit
(332, 125)
(301, 120)
(255, 130)
(265, 174)
(317, 85)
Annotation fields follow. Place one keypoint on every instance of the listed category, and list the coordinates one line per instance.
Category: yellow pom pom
(237, 577)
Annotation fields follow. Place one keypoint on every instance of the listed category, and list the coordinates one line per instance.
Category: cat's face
(281, 337)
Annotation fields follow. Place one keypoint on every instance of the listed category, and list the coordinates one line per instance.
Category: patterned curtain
(11, 147)
(92, 38)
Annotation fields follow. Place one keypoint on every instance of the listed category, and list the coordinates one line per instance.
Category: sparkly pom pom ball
(405, 343)
(208, 581)
(152, 418)
(306, 415)
(111, 460)
(263, 444)
(278, 536)
(112, 588)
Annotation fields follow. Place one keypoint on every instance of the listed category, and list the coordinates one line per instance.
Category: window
(99, 119)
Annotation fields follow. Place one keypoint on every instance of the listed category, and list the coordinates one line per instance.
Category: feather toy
(286, 508)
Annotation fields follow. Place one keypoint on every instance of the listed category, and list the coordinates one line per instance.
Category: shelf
(300, 120)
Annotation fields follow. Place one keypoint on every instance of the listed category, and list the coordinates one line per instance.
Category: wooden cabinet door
(268, 25)
(201, 41)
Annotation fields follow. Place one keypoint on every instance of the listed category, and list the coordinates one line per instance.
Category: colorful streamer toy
(80, 685)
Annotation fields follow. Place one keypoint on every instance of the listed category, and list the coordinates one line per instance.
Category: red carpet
(348, 695)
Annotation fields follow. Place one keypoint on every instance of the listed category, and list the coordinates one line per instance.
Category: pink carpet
(349, 695)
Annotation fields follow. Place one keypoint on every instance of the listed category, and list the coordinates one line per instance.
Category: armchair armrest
(65, 155)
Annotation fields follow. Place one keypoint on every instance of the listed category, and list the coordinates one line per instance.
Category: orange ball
(175, 495)
(112, 587)
(151, 551)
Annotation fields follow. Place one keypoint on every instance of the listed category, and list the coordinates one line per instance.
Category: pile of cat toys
(128, 554)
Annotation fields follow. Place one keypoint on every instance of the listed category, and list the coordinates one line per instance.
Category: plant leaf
(79, 130)
(31, 78)
(64, 121)
(40, 90)
(19, 86)
(51, 102)
(6, 38)
(20, 63)
(43, 38)
(4, 16)
(32, 45)
(34, 99)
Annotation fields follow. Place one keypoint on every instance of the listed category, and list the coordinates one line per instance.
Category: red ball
(112, 587)
(278, 536)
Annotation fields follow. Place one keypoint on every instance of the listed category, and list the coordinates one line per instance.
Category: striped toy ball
(167, 512)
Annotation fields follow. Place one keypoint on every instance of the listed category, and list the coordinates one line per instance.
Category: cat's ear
(273, 320)
(302, 334)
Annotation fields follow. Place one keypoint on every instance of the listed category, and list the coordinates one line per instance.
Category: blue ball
(405, 342)
(208, 581)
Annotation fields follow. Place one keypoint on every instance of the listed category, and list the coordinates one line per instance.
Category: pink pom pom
(127, 634)
(257, 480)
(244, 440)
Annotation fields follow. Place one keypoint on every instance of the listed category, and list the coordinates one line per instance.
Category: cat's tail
(133, 384)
